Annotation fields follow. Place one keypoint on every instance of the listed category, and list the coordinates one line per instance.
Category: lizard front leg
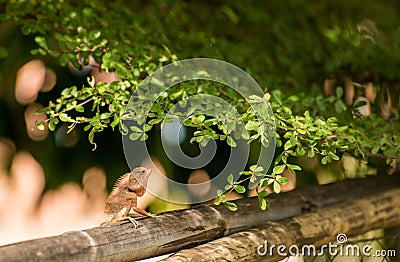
(142, 211)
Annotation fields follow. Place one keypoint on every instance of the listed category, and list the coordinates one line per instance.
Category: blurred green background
(288, 45)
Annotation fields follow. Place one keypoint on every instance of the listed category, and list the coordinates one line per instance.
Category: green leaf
(258, 169)
(375, 149)
(292, 168)
(240, 189)
(41, 41)
(135, 136)
(230, 141)
(80, 109)
(40, 125)
(325, 160)
(282, 180)
(52, 124)
(230, 179)
(262, 202)
(288, 145)
(266, 182)
(65, 118)
(155, 121)
(277, 187)
(91, 136)
(136, 129)
(310, 153)
(277, 97)
(63, 60)
(279, 169)
(231, 206)
(333, 156)
(339, 92)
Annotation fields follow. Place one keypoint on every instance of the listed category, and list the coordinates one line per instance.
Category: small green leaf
(262, 202)
(277, 187)
(300, 151)
(288, 145)
(64, 117)
(231, 206)
(258, 169)
(310, 153)
(135, 136)
(279, 169)
(230, 179)
(339, 92)
(105, 116)
(91, 136)
(155, 121)
(282, 180)
(115, 122)
(80, 109)
(333, 156)
(63, 60)
(136, 129)
(41, 41)
(375, 149)
(52, 124)
(266, 182)
(201, 118)
(230, 141)
(240, 189)
(294, 167)
(228, 187)
(40, 125)
(325, 160)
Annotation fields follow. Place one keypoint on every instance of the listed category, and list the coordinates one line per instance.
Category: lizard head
(138, 180)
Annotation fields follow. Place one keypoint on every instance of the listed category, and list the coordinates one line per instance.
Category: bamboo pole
(172, 231)
(304, 233)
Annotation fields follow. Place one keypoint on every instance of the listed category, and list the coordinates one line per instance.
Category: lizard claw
(133, 221)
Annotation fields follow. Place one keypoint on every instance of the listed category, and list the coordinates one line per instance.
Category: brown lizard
(124, 194)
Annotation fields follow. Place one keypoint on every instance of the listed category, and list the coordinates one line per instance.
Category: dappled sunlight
(27, 212)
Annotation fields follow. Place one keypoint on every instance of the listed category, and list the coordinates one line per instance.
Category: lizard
(123, 197)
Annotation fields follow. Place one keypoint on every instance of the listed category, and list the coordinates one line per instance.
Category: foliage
(290, 59)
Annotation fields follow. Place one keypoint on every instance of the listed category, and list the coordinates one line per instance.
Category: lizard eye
(130, 190)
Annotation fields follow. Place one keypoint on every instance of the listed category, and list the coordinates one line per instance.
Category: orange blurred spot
(199, 183)
(7, 150)
(329, 87)
(30, 79)
(31, 120)
(94, 186)
(49, 80)
(349, 91)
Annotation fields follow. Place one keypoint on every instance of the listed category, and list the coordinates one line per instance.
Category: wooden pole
(303, 233)
(172, 231)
